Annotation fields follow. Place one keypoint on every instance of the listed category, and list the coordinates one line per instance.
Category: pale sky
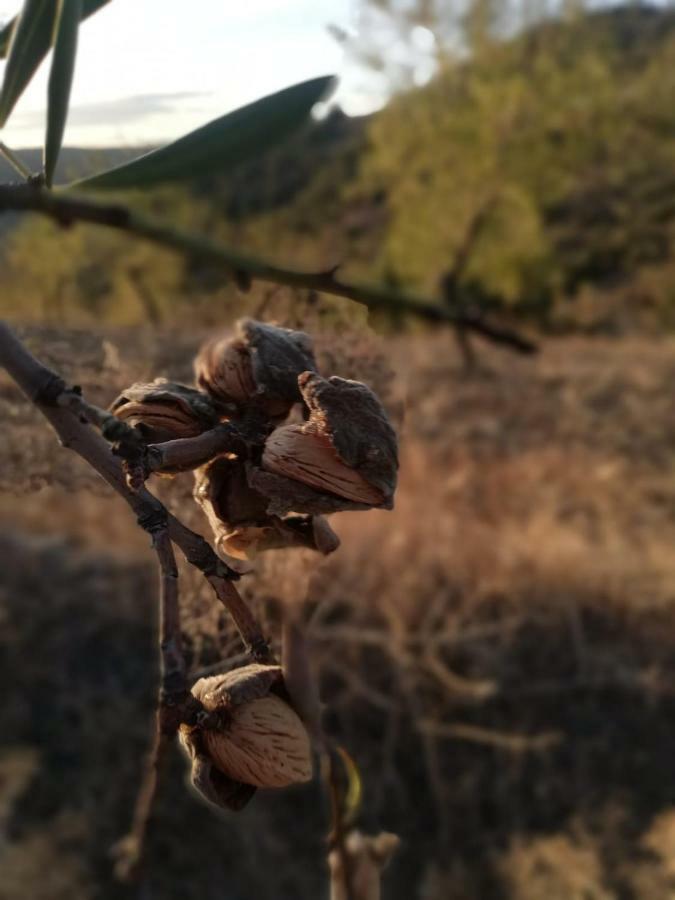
(150, 70)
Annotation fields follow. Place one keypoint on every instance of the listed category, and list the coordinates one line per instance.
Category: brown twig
(338, 836)
(173, 696)
(302, 688)
(478, 689)
(67, 209)
(490, 737)
(44, 387)
(188, 453)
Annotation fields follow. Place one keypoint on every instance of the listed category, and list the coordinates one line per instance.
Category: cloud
(121, 111)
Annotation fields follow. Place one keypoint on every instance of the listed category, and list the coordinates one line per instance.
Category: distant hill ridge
(74, 162)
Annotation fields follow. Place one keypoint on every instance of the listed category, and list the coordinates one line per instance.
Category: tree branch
(190, 452)
(44, 388)
(67, 209)
(173, 696)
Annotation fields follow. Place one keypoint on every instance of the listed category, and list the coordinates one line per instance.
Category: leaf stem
(14, 161)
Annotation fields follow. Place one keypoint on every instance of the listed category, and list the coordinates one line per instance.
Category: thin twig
(338, 835)
(458, 685)
(173, 694)
(67, 209)
(43, 387)
(490, 737)
(302, 688)
(184, 453)
(128, 852)
(173, 677)
(14, 161)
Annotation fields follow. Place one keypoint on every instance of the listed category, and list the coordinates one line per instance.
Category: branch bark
(173, 696)
(44, 388)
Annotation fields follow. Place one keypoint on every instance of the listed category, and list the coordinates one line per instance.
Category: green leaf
(89, 7)
(33, 31)
(60, 81)
(221, 144)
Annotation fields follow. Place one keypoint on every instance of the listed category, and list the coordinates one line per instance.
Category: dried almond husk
(239, 520)
(310, 457)
(344, 457)
(256, 363)
(223, 368)
(164, 410)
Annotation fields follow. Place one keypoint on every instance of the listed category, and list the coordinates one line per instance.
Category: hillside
(535, 178)
(74, 162)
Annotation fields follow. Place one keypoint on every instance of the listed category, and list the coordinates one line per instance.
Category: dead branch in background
(365, 856)
(453, 296)
(491, 737)
(67, 209)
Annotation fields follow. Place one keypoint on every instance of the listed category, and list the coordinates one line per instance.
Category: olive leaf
(89, 7)
(32, 33)
(221, 144)
(60, 80)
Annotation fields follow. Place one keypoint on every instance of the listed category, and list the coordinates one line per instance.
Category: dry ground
(498, 652)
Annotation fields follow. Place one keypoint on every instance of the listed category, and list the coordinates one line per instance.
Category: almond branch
(171, 711)
(67, 209)
(47, 391)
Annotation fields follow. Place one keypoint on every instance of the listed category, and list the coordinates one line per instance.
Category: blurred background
(498, 652)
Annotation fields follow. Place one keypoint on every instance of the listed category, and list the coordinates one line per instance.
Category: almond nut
(223, 367)
(249, 735)
(163, 410)
(310, 458)
(265, 744)
(258, 362)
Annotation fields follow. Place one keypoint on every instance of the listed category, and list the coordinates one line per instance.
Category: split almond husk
(239, 520)
(344, 457)
(164, 410)
(310, 457)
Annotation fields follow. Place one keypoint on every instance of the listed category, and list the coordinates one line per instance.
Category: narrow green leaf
(89, 7)
(33, 30)
(60, 81)
(221, 144)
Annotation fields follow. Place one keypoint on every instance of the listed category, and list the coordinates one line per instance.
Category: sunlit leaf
(222, 143)
(60, 80)
(33, 31)
(89, 7)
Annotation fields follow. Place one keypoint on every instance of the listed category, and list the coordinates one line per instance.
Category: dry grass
(497, 651)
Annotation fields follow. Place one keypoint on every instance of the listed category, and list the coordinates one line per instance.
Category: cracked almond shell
(163, 410)
(257, 362)
(260, 741)
(344, 457)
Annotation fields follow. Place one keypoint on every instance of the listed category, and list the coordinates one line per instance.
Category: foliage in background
(536, 168)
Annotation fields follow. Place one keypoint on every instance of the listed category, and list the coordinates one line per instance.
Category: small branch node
(48, 393)
(154, 521)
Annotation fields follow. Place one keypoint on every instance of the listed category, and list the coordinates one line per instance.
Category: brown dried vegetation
(497, 651)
